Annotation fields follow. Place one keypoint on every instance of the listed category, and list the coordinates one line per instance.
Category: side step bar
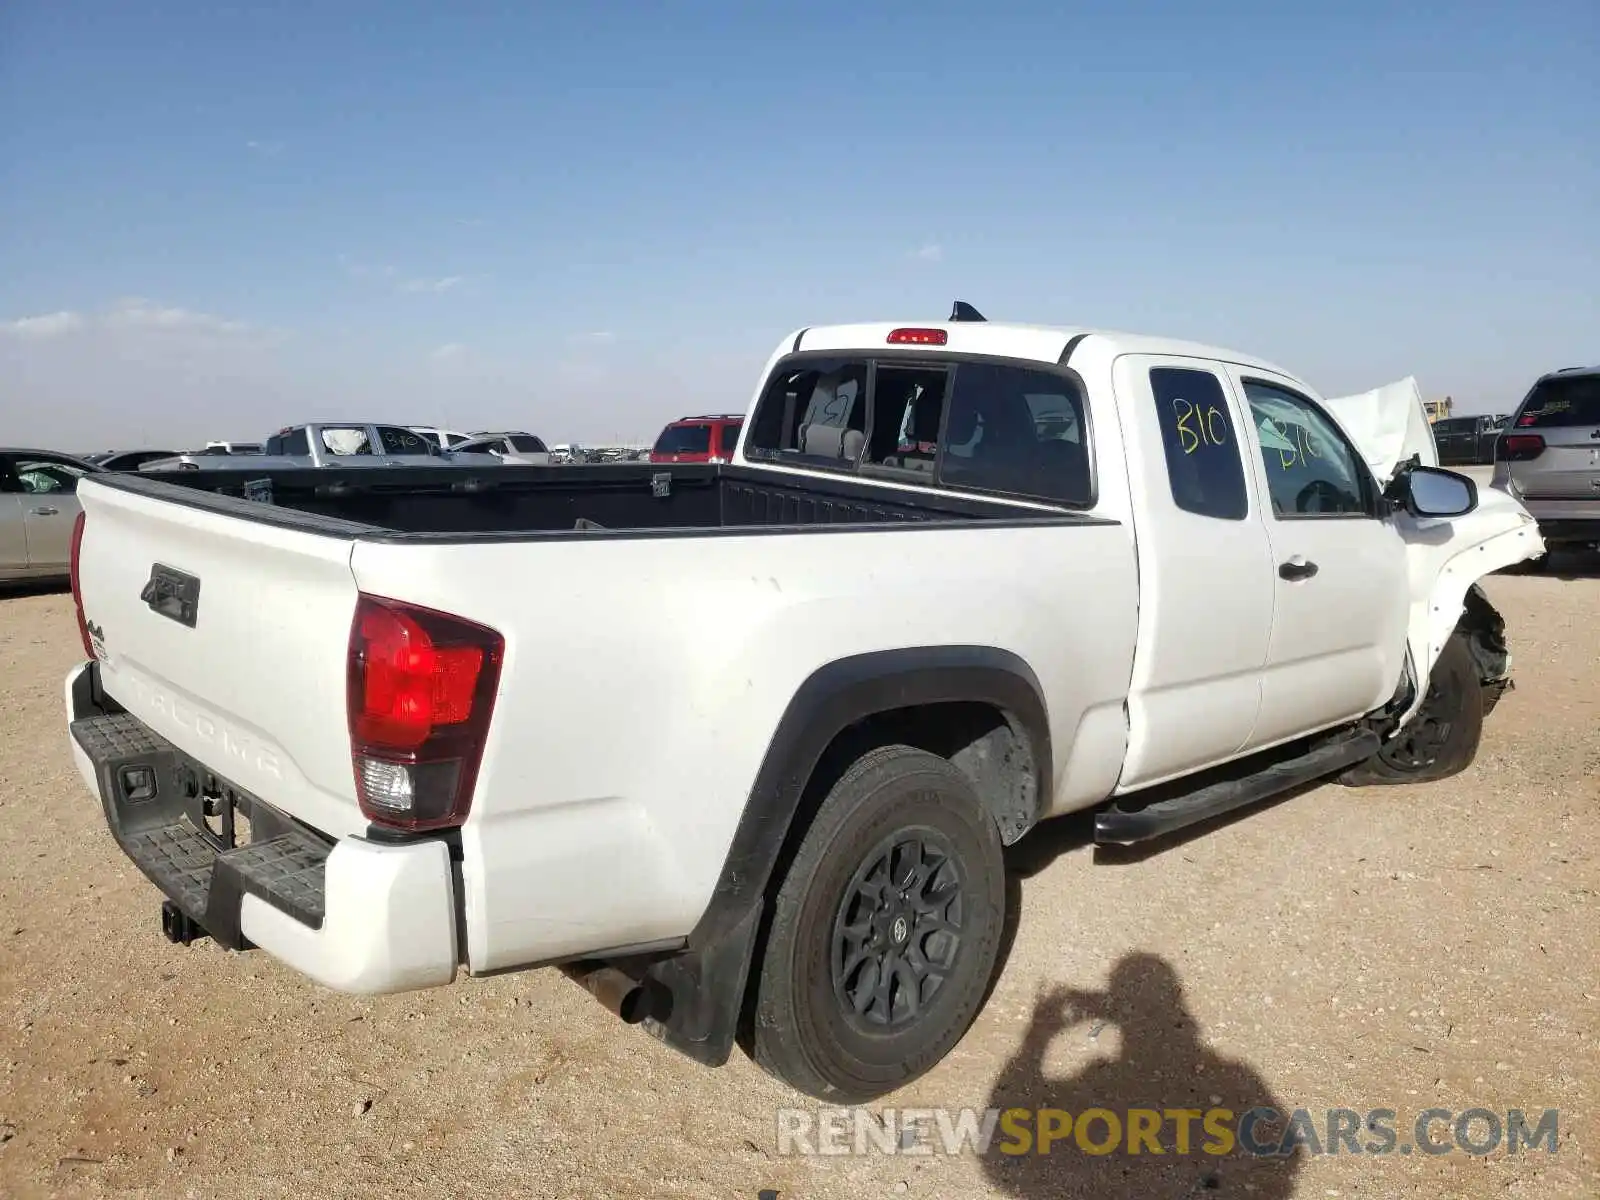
(1122, 827)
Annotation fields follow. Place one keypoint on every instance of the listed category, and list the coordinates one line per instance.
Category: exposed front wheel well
(1485, 632)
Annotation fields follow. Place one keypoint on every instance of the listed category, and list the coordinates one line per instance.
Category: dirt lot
(1399, 949)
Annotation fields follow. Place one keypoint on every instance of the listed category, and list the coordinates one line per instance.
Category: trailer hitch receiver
(178, 926)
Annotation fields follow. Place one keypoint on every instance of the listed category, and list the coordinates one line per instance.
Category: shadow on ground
(1560, 564)
(15, 589)
(1163, 1065)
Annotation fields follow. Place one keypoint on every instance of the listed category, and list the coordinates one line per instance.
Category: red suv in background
(698, 440)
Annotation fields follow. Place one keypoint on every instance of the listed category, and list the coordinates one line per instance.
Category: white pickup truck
(739, 746)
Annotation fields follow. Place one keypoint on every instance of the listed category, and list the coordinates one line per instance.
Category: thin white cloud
(46, 325)
(269, 149)
(414, 286)
(932, 252)
(601, 335)
(448, 351)
(136, 312)
(361, 270)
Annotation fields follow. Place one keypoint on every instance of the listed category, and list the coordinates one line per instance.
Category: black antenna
(965, 312)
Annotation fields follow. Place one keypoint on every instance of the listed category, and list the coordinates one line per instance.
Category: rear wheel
(1442, 739)
(884, 932)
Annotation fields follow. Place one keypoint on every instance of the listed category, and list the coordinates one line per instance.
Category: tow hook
(178, 926)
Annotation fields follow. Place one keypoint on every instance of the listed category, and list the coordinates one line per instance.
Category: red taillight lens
(77, 584)
(410, 686)
(420, 695)
(919, 337)
(1518, 447)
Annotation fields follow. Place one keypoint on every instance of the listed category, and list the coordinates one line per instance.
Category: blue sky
(585, 220)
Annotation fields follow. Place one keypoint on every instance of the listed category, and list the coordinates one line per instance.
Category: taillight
(419, 693)
(77, 584)
(1518, 447)
(918, 337)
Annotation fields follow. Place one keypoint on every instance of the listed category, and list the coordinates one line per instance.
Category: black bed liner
(522, 503)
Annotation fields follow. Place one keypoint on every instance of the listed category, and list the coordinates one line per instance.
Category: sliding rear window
(995, 426)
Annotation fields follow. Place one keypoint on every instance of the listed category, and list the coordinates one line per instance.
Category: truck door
(1206, 578)
(1342, 591)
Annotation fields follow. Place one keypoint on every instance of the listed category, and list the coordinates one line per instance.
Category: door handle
(44, 510)
(1297, 568)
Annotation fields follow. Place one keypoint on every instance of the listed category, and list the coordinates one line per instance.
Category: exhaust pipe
(622, 995)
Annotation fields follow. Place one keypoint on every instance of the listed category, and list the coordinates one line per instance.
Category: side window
(41, 476)
(818, 410)
(403, 441)
(345, 439)
(1204, 468)
(296, 444)
(1311, 471)
(730, 437)
(995, 441)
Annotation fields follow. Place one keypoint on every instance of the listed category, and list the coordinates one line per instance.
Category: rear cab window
(684, 439)
(289, 442)
(998, 427)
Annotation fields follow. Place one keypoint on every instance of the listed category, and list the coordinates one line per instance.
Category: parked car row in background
(1545, 453)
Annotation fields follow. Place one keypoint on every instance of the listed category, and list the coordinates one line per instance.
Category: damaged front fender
(1446, 560)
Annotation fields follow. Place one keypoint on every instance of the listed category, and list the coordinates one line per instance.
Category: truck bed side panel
(644, 679)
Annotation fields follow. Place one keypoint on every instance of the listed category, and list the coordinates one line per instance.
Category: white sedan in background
(38, 505)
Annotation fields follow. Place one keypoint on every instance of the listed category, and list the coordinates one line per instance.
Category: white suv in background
(1548, 456)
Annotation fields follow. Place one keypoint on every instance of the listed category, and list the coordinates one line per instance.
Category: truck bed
(519, 502)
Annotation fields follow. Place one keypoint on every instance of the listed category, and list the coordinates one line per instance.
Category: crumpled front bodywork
(1446, 559)
(1389, 424)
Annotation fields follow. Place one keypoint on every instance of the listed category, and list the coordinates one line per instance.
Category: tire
(1442, 739)
(805, 1031)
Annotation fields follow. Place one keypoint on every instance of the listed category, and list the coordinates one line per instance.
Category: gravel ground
(1401, 948)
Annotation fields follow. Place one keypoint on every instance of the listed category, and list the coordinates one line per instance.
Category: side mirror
(1435, 492)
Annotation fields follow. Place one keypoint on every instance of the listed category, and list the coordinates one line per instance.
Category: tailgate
(1563, 410)
(1569, 468)
(245, 670)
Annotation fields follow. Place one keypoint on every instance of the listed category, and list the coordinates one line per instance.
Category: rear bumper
(357, 916)
(1561, 525)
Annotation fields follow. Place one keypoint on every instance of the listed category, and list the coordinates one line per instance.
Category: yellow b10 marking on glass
(1199, 426)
